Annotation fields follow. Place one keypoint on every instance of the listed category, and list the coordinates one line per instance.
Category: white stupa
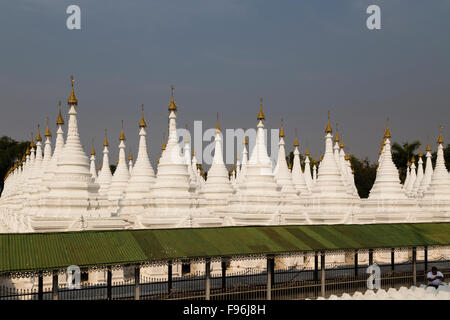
(72, 189)
(92, 168)
(119, 181)
(217, 189)
(50, 170)
(331, 201)
(428, 173)
(412, 178)
(105, 175)
(307, 172)
(170, 193)
(137, 194)
(257, 200)
(298, 177)
(387, 200)
(419, 177)
(439, 188)
(283, 176)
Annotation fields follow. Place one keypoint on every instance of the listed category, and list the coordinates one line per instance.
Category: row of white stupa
(61, 190)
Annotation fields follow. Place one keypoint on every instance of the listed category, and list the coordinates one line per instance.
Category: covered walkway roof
(31, 252)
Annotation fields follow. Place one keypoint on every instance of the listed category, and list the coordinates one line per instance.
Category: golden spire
(24, 158)
(172, 105)
(163, 147)
(60, 120)
(428, 143)
(382, 146)
(187, 139)
(440, 139)
(47, 132)
(142, 123)
(217, 125)
(99, 167)
(336, 138)
(72, 99)
(261, 113)
(307, 152)
(314, 161)
(32, 145)
(387, 132)
(281, 135)
(193, 153)
(38, 137)
(421, 154)
(321, 158)
(105, 143)
(408, 164)
(341, 145)
(347, 157)
(28, 152)
(290, 166)
(296, 144)
(328, 128)
(92, 150)
(413, 159)
(130, 156)
(122, 135)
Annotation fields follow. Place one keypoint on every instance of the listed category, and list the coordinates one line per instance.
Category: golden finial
(92, 150)
(408, 164)
(24, 158)
(307, 152)
(261, 113)
(328, 128)
(428, 143)
(347, 157)
(290, 166)
(172, 105)
(105, 143)
(281, 134)
(99, 167)
(314, 161)
(193, 153)
(130, 156)
(341, 145)
(217, 125)
(72, 99)
(296, 144)
(413, 159)
(321, 158)
(60, 120)
(246, 141)
(38, 137)
(142, 123)
(187, 139)
(420, 154)
(382, 146)
(440, 139)
(32, 145)
(336, 138)
(163, 147)
(387, 132)
(122, 135)
(27, 152)
(47, 132)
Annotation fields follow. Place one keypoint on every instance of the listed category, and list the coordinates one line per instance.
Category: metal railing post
(169, 277)
(370, 257)
(40, 286)
(55, 293)
(137, 280)
(270, 273)
(316, 266)
(392, 259)
(322, 273)
(224, 273)
(425, 259)
(208, 279)
(109, 283)
(356, 263)
(414, 265)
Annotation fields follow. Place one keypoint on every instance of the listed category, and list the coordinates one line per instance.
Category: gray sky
(302, 57)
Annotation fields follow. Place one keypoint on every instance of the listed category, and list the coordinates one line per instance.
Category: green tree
(10, 152)
(401, 154)
(365, 174)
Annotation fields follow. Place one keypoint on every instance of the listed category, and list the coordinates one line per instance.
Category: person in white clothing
(435, 278)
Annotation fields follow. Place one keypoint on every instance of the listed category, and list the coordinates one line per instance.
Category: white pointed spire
(105, 175)
(121, 176)
(419, 177)
(298, 177)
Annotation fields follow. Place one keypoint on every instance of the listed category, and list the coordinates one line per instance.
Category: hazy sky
(302, 57)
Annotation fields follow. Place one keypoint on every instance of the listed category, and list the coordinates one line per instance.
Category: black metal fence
(300, 282)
